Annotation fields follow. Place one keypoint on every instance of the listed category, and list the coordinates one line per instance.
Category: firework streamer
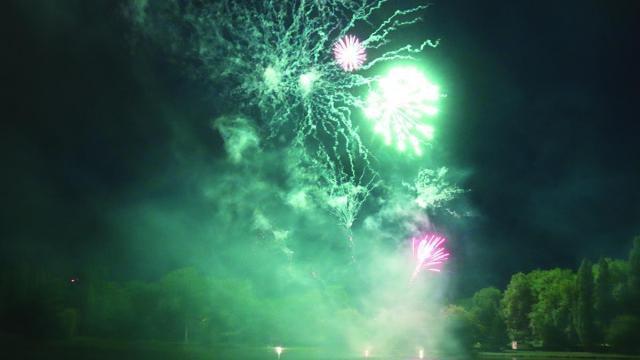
(429, 253)
(432, 190)
(286, 61)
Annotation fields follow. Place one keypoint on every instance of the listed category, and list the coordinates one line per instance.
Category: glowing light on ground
(366, 353)
(349, 53)
(421, 354)
(429, 252)
(278, 350)
(398, 106)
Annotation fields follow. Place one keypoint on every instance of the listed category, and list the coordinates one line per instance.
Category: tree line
(182, 306)
(596, 308)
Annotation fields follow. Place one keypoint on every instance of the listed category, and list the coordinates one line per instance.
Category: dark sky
(541, 115)
(542, 110)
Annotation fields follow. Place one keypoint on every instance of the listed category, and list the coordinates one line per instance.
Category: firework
(433, 190)
(349, 53)
(399, 105)
(292, 64)
(429, 252)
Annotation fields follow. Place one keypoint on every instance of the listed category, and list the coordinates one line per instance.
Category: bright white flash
(271, 77)
(278, 350)
(307, 80)
(349, 53)
(399, 105)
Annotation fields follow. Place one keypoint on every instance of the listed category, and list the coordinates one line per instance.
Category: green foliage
(634, 277)
(488, 320)
(238, 314)
(144, 300)
(186, 306)
(603, 297)
(584, 316)
(551, 313)
(459, 326)
(567, 309)
(556, 308)
(516, 305)
(108, 310)
(183, 299)
(619, 274)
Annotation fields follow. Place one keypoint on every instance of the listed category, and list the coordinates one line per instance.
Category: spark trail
(403, 98)
(429, 252)
(276, 59)
(432, 189)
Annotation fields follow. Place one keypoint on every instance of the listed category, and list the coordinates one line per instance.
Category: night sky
(540, 117)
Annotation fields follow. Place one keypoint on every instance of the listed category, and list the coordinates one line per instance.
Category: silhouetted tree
(145, 298)
(183, 300)
(108, 311)
(459, 325)
(516, 306)
(603, 298)
(619, 272)
(634, 277)
(583, 315)
(550, 317)
(488, 319)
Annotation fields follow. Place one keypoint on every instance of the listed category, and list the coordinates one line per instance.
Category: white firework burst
(349, 53)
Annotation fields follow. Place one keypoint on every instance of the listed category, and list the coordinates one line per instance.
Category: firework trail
(299, 67)
(429, 252)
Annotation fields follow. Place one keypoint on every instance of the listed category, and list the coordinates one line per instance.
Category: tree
(108, 310)
(603, 297)
(619, 272)
(583, 316)
(183, 299)
(240, 315)
(459, 325)
(634, 277)
(516, 306)
(488, 319)
(551, 313)
(145, 298)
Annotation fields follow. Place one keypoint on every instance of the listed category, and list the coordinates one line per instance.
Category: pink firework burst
(429, 252)
(349, 53)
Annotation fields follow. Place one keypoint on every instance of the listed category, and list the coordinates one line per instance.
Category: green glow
(271, 78)
(306, 81)
(398, 106)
